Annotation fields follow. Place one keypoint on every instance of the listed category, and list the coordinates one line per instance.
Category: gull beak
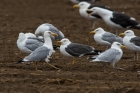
(54, 34)
(76, 6)
(123, 47)
(90, 12)
(59, 42)
(121, 34)
(92, 32)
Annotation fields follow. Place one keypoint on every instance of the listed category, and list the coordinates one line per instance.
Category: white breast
(98, 39)
(63, 51)
(129, 45)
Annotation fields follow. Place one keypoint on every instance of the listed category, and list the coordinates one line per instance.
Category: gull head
(82, 5)
(127, 33)
(117, 45)
(64, 41)
(21, 35)
(97, 31)
(49, 34)
(93, 10)
(30, 35)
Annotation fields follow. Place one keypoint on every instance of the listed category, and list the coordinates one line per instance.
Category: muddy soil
(83, 77)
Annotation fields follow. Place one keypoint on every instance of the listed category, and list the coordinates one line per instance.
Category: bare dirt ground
(82, 77)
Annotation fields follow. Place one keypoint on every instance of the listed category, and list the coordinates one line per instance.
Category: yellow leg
(36, 66)
(73, 62)
(53, 66)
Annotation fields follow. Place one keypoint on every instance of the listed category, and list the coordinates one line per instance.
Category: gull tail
(95, 52)
(56, 47)
(20, 61)
(137, 26)
(92, 57)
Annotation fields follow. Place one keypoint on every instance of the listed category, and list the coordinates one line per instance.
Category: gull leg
(87, 40)
(119, 68)
(53, 66)
(36, 66)
(94, 22)
(47, 60)
(135, 56)
(93, 25)
(117, 32)
(73, 62)
(113, 64)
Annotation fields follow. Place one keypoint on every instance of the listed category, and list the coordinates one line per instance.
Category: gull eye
(96, 30)
(49, 32)
(118, 44)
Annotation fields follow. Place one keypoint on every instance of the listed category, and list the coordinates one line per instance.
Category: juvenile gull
(132, 42)
(111, 55)
(42, 52)
(49, 27)
(83, 6)
(114, 19)
(70, 49)
(105, 38)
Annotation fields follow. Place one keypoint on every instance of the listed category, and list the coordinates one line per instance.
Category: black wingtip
(98, 51)
(137, 27)
(95, 52)
(92, 57)
(20, 61)
(56, 47)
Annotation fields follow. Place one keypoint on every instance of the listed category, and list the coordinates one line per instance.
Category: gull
(28, 42)
(116, 20)
(69, 49)
(43, 52)
(83, 6)
(111, 55)
(132, 42)
(49, 27)
(103, 37)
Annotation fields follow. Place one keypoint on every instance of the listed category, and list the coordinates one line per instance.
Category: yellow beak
(76, 6)
(88, 10)
(92, 32)
(54, 34)
(121, 34)
(59, 42)
(123, 47)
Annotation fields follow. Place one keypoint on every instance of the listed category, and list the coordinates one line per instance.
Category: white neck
(48, 42)
(131, 36)
(116, 47)
(103, 13)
